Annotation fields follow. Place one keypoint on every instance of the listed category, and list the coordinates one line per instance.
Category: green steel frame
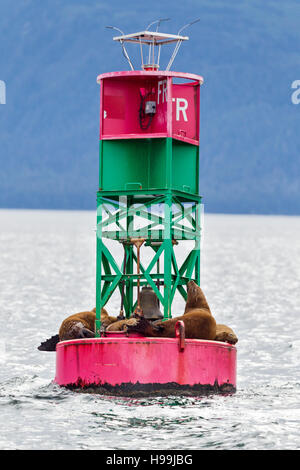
(162, 229)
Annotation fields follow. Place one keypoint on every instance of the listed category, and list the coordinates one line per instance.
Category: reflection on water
(250, 275)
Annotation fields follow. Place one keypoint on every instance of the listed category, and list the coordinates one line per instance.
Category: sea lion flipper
(158, 328)
(86, 333)
(49, 344)
(145, 327)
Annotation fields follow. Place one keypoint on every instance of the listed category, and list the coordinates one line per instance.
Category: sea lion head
(192, 287)
(79, 330)
(194, 294)
(195, 297)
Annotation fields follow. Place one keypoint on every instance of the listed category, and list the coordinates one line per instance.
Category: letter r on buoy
(181, 107)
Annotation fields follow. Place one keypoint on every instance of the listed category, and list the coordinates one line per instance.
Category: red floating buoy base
(140, 366)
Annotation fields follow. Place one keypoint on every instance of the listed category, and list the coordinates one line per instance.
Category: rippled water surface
(251, 278)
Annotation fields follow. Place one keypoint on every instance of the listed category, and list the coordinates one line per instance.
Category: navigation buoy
(148, 197)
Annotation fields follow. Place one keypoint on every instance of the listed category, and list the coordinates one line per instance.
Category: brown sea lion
(225, 334)
(197, 298)
(76, 326)
(198, 325)
(122, 325)
(197, 318)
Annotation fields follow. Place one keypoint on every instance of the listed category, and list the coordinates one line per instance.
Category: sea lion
(226, 334)
(198, 325)
(76, 326)
(197, 318)
(223, 332)
(122, 325)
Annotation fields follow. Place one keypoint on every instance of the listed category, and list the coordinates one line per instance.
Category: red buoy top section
(170, 100)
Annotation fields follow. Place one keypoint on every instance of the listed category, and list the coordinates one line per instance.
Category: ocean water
(251, 278)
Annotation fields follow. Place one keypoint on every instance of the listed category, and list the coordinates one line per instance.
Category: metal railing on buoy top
(154, 40)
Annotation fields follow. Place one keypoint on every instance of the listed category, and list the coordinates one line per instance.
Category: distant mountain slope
(248, 53)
